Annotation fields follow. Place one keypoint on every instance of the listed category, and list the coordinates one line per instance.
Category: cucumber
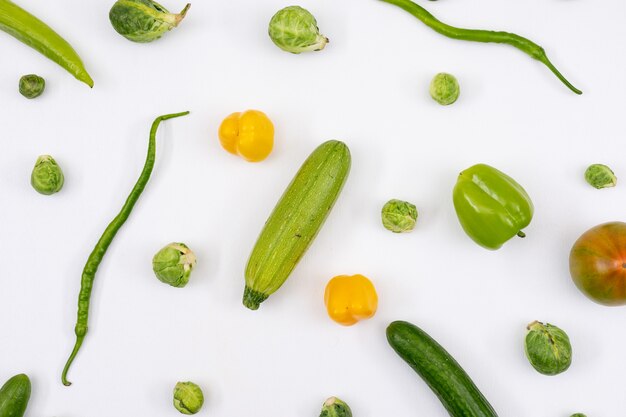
(295, 221)
(14, 396)
(439, 370)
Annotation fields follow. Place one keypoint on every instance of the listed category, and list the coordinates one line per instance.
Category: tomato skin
(597, 263)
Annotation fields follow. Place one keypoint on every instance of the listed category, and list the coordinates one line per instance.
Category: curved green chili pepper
(26, 28)
(525, 45)
(91, 267)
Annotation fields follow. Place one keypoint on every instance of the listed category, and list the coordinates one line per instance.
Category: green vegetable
(32, 85)
(26, 28)
(578, 415)
(600, 176)
(334, 407)
(294, 29)
(91, 267)
(14, 396)
(173, 264)
(491, 206)
(439, 370)
(399, 216)
(548, 348)
(295, 221)
(47, 177)
(188, 397)
(525, 45)
(143, 20)
(444, 89)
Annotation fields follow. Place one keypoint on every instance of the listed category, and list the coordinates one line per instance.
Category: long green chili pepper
(525, 45)
(91, 267)
(26, 28)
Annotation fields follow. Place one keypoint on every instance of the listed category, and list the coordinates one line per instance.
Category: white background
(369, 88)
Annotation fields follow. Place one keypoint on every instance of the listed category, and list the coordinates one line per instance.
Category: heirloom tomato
(597, 263)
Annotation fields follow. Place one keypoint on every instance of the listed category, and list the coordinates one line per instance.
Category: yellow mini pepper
(350, 298)
(249, 134)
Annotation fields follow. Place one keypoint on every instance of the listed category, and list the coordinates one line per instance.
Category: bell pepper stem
(521, 234)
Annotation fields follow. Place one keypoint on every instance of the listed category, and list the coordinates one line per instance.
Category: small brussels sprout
(32, 85)
(548, 348)
(188, 397)
(173, 264)
(143, 20)
(600, 176)
(444, 88)
(399, 216)
(294, 29)
(47, 177)
(334, 407)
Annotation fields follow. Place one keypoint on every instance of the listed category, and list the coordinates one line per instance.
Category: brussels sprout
(143, 20)
(173, 264)
(294, 29)
(600, 176)
(47, 177)
(578, 415)
(188, 397)
(32, 85)
(548, 348)
(444, 89)
(334, 407)
(399, 216)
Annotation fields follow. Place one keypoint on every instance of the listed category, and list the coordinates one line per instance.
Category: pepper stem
(77, 345)
(544, 59)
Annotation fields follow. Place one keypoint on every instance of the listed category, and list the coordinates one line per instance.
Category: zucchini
(439, 370)
(295, 221)
(14, 396)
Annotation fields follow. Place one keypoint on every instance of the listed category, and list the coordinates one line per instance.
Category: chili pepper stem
(544, 59)
(96, 256)
(77, 345)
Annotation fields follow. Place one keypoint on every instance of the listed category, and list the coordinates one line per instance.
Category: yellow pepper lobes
(350, 298)
(249, 134)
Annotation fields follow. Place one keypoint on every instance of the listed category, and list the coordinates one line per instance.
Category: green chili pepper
(525, 45)
(91, 267)
(491, 206)
(26, 28)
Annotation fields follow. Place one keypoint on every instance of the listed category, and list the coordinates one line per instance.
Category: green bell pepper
(491, 206)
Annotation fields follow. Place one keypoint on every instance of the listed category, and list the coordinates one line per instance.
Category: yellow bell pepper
(249, 134)
(350, 298)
